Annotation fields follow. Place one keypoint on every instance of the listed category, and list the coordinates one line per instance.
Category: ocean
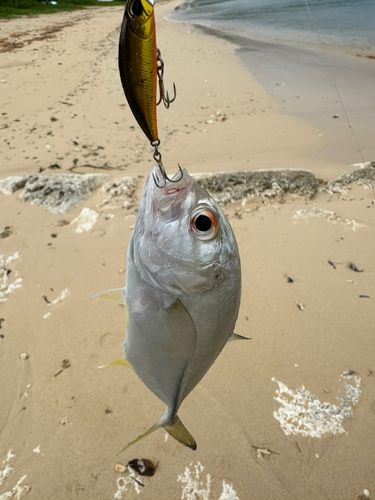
(346, 25)
(303, 55)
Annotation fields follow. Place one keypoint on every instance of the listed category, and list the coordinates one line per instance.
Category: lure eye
(204, 224)
(136, 8)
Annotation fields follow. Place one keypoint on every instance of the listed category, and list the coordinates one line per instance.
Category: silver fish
(182, 294)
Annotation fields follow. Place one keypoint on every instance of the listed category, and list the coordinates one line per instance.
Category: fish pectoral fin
(181, 434)
(150, 431)
(121, 362)
(235, 336)
(117, 295)
(182, 324)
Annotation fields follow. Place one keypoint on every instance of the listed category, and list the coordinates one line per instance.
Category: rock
(227, 187)
(57, 193)
(121, 191)
(86, 220)
(359, 177)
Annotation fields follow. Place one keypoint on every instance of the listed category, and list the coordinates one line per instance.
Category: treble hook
(164, 96)
(165, 178)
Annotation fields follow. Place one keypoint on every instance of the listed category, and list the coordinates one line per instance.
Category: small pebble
(24, 356)
(120, 468)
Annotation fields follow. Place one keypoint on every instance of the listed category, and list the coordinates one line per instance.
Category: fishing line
(339, 95)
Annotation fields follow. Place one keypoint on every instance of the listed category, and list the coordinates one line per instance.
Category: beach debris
(120, 468)
(364, 296)
(328, 215)
(369, 372)
(1, 321)
(331, 264)
(64, 365)
(6, 285)
(57, 193)
(262, 453)
(37, 449)
(289, 279)
(194, 489)
(86, 220)
(63, 295)
(227, 187)
(8, 230)
(143, 466)
(302, 413)
(64, 421)
(124, 481)
(353, 267)
(24, 356)
(300, 306)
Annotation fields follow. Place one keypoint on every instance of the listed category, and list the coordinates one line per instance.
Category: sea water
(303, 53)
(340, 24)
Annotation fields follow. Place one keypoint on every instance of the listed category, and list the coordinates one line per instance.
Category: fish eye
(204, 223)
(136, 8)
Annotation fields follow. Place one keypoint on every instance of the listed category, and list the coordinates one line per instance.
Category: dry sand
(62, 103)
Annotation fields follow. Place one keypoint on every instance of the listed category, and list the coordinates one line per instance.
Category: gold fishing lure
(138, 63)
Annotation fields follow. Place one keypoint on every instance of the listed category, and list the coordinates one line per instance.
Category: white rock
(86, 220)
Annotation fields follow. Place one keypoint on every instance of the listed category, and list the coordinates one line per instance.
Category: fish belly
(156, 347)
(214, 314)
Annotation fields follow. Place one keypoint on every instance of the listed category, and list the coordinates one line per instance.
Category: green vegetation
(13, 8)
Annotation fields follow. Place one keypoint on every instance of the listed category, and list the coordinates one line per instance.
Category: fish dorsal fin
(117, 295)
(235, 336)
(121, 362)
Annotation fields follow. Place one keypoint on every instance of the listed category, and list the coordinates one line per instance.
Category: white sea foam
(302, 413)
(329, 216)
(8, 280)
(194, 489)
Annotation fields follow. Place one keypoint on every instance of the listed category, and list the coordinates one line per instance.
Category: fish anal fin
(235, 336)
(181, 434)
(121, 362)
(117, 295)
(150, 431)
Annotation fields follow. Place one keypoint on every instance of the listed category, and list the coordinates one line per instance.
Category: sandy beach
(287, 415)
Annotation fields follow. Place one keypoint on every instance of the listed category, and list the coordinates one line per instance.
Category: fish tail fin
(176, 430)
(181, 434)
(150, 431)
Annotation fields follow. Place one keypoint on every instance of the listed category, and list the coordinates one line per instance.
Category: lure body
(138, 63)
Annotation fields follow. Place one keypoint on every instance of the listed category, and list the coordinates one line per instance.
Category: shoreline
(309, 83)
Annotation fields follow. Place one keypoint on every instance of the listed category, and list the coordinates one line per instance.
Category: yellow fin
(120, 362)
(153, 428)
(181, 434)
(117, 295)
(177, 430)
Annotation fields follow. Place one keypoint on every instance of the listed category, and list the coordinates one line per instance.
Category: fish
(182, 293)
(137, 61)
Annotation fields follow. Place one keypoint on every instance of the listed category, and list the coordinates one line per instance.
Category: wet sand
(63, 419)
